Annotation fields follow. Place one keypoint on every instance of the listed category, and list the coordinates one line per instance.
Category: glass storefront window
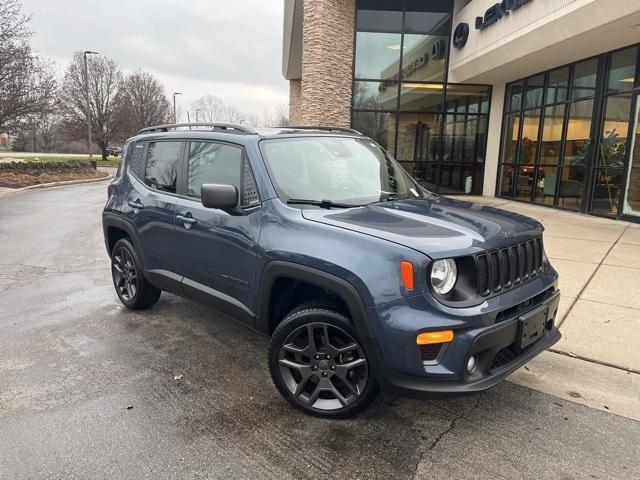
(607, 183)
(535, 87)
(399, 94)
(421, 97)
(431, 179)
(381, 126)
(377, 55)
(460, 179)
(515, 96)
(375, 95)
(612, 150)
(524, 182)
(546, 180)
(587, 156)
(435, 20)
(584, 79)
(418, 136)
(379, 16)
(558, 86)
(529, 141)
(551, 143)
(578, 135)
(474, 98)
(506, 180)
(424, 58)
(631, 205)
(511, 134)
(611, 156)
(622, 70)
(571, 187)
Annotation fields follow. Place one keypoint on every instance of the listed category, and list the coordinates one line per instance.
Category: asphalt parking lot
(91, 390)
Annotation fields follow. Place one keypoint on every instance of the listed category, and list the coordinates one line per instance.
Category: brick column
(327, 62)
(295, 99)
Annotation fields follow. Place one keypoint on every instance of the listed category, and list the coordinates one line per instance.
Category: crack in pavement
(444, 433)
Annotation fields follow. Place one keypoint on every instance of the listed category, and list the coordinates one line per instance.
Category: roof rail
(230, 127)
(327, 129)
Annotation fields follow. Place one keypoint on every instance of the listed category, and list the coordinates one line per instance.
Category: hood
(438, 227)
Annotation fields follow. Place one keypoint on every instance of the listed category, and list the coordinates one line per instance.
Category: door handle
(135, 204)
(186, 220)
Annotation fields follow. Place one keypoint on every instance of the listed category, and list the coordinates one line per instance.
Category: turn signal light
(429, 338)
(406, 273)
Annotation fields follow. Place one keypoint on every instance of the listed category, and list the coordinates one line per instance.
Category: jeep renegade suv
(318, 238)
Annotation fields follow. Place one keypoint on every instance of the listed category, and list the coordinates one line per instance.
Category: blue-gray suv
(317, 237)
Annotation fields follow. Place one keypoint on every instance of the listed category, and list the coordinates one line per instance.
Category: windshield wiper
(320, 203)
(391, 197)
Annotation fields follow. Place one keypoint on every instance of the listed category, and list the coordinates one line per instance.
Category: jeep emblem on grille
(510, 234)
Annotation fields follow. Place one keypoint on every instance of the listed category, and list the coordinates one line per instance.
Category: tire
(329, 377)
(134, 291)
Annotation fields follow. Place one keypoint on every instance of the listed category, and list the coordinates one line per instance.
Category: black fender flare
(336, 285)
(112, 220)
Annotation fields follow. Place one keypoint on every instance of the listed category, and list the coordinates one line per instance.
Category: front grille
(510, 266)
(507, 356)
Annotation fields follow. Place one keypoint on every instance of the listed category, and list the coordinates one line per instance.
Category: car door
(218, 249)
(150, 208)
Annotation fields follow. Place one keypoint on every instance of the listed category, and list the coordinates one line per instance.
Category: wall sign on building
(461, 35)
(497, 11)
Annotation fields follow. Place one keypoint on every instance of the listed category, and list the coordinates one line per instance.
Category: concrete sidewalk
(597, 362)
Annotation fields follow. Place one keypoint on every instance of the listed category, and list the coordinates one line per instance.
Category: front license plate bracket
(532, 327)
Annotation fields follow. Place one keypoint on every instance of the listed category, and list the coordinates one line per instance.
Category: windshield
(335, 169)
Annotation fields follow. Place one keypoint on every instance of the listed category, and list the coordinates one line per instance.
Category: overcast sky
(231, 48)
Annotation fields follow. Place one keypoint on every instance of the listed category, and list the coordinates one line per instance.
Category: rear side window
(161, 170)
(121, 166)
(213, 163)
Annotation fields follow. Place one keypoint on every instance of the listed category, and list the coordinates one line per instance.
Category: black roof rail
(230, 127)
(327, 129)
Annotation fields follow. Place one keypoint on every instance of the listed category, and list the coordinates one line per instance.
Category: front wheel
(319, 366)
(134, 291)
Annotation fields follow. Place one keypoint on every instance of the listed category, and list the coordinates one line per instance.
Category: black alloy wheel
(133, 289)
(318, 364)
(125, 275)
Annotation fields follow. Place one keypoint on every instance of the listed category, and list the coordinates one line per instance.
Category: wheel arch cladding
(339, 287)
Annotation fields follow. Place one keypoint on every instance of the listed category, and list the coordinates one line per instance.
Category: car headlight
(444, 274)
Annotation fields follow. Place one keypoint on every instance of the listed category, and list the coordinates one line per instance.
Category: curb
(55, 184)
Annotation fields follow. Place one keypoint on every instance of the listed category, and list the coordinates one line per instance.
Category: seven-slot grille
(510, 266)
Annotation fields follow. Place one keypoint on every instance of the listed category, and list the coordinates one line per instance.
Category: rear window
(161, 172)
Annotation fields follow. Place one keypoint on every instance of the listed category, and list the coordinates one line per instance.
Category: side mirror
(223, 197)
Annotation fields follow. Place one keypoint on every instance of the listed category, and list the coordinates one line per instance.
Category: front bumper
(491, 336)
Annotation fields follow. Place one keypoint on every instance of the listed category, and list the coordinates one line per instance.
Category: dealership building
(530, 100)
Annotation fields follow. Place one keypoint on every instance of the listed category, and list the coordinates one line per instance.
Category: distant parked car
(113, 151)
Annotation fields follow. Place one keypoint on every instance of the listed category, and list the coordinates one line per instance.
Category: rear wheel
(134, 291)
(318, 364)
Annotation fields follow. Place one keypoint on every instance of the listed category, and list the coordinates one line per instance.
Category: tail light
(109, 191)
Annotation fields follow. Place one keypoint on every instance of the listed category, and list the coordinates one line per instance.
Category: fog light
(471, 364)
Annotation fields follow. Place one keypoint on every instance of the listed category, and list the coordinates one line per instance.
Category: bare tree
(141, 102)
(27, 83)
(279, 117)
(105, 78)
(282, 115)
(210, 109)
(233, 114)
